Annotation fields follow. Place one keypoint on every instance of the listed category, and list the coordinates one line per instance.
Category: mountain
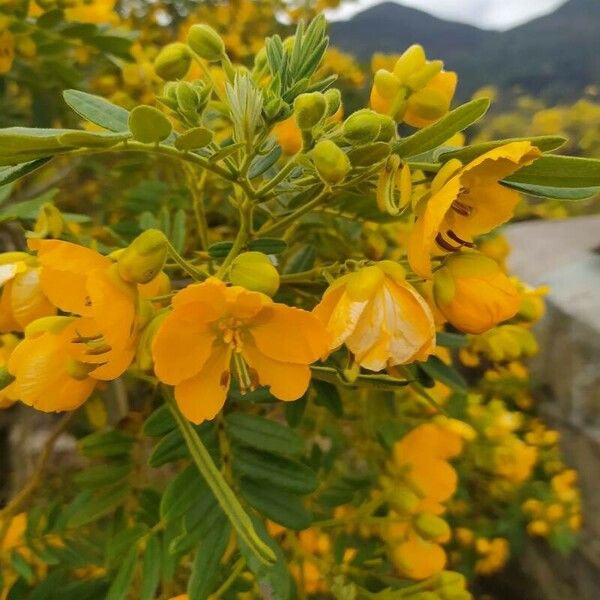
(555, 56)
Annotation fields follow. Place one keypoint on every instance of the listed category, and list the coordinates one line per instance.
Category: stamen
(455, 238)
(462, 209)
(442, 243)
(99, 350)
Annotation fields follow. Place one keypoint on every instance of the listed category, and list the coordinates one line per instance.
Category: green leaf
(121, 583)
(277, 471)
(181, 493)
(198, 137)
(440, 371)
(178, 230)
(106, 443)
(274, 580)
(159, 423)
(559, 171)
(112, 44)
(223, 493)
(169, 449)
(369, 154)
(545, 143)
(451, 340)
(554, 193)
(437, 133)
(267, 245)
(262, 163)
(150, 569)
(219, 249)
(264, 434)
(120, 543)
(101, 475)
(328, 395)
(90, 507)
(282, 507)
(10, 174)
(149, 125)
(97, 110)
(206, 562)
(21, 566)
(302, 260)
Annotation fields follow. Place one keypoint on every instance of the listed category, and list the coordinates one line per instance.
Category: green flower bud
(148, 125)
(144, 258)
(362, 127)
(173, 61)
(188, 100)
(431, 527)
(387, 130)
(309, 109)
(331, 162)
(206, 42)
(169, 95)
(254, 271)
(333, 98)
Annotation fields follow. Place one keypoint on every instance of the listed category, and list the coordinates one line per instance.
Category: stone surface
(561, 254)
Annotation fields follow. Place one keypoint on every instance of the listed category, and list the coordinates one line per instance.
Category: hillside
(555, 56)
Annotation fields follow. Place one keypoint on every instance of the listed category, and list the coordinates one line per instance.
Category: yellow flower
(494, 553)
(471, 202)
(380, 317)
(8, 343)
(213, 325)
(21, 298)
(473, 293)
(432, 102)
(47, 374)
(83, 282)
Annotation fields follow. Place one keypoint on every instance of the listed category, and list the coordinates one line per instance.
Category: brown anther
(442, 243)
(455, 238)
(462, 209)
(224, 379)
(99, 350)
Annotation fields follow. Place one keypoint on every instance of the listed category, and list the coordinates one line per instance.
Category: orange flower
(288, 135)
(82, 281)
(21, 299)
(381, 318)
(47, 374)
(473, 292)
(8, 343)
(471, 202)
(213, 326)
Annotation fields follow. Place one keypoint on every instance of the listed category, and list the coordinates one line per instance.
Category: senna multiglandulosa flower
(81, 281)
(8, 342)
(380, 317)
(48, 375)
(473, 292)
(417, 91)
(215, 329)
(22, 299)
(470, 202)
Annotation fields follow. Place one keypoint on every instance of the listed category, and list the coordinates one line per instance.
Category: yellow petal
(202, 396)
(287, 381)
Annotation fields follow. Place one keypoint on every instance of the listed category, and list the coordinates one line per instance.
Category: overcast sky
(489, 14)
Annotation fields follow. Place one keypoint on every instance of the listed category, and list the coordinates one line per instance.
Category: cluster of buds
(416, 91)
(557, 508)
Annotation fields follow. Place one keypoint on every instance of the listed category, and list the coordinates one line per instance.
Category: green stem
(197, 274)
(237, 569)
(283, 173)
(223, 493)
(241, 238)
(378, 381)
(270, 228)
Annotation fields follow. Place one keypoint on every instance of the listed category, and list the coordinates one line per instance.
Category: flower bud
(144, 359)
(432, 528)
(404, 500)
(473, 293)
(331, 162)
(386, 84)
(411, 60)
(49, 223)
(206, 42)
(148, 125)
(173, 61)
(424, 75)
(333, 98)
(428, 104)
(144, 258)
(254, 271)
(363, 126)
(309, 109)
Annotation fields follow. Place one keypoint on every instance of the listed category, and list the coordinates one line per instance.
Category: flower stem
(223, 493)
